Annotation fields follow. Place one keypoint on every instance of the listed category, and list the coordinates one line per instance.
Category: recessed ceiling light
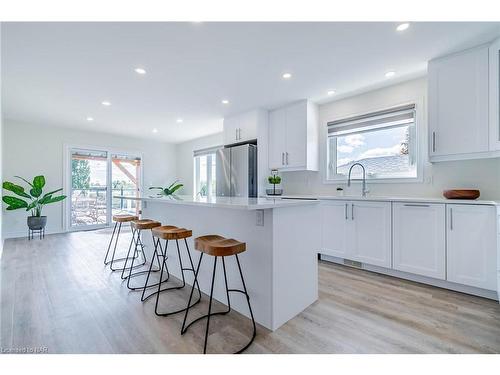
(403, 26)
(225, 101)
(90, 118)
(179, 120)
(140, 71)
(287, 75)
(331, 92)
(106, 103)
(390, 74)
(155, 130)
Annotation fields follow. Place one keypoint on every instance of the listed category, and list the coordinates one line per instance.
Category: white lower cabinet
(335, 228)
(471, 245)
(358, 230)
(419, 242)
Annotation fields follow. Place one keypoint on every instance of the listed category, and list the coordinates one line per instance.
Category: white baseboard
(19, 234)
(490, 294)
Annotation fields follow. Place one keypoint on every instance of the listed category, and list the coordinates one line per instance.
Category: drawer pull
(416, 205)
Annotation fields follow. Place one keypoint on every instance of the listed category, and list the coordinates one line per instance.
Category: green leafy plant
(36, 199)
(171, 189)
(275, 179)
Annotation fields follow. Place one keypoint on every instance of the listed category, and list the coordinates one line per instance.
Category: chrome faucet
(365, 190)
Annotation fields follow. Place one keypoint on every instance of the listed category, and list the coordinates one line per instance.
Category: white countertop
(391, 199)
(225, 202)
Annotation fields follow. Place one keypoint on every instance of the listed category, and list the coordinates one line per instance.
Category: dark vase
(37, 222)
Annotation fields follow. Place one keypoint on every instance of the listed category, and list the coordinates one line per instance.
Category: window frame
(331, 177)
(211, 154)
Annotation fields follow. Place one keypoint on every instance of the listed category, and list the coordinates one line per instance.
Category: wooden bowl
(461, 194)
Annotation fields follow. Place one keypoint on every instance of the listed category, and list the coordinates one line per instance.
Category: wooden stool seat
(124, 218)
(171, 232)
(144, 224)
(219, 246)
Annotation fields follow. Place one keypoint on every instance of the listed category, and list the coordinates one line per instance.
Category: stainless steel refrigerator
(236, 169)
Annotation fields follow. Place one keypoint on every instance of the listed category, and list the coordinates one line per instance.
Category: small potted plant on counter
(274, 180)
(33, 201)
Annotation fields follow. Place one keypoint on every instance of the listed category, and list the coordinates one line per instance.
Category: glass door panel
(126, 181)
(89, 195)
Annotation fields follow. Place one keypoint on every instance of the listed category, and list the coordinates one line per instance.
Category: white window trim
(421, 141)
(211, 157)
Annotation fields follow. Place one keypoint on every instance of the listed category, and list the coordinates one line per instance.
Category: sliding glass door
(96, 177)
(89, 193)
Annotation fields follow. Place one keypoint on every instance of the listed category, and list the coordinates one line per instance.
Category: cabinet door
(276, 146)
(419, 239)
(471, 245)
(296, 135)
(370, 233)
(494, 55)
(458, 103)
(335, 223)
(231, 125)
(248, 126)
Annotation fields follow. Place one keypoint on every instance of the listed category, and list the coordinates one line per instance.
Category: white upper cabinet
(494, 56)
(458, 105)
(241, 128)
(471, 245)
(419, 242)
(293, 137)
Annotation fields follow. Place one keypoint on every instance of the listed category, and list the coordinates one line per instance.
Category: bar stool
(218, 246)
(119, 220)
(138, 226)
(170, 233)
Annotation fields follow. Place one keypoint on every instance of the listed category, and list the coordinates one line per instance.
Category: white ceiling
(59, 73)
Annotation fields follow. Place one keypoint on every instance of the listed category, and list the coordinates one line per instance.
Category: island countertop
(225, 202)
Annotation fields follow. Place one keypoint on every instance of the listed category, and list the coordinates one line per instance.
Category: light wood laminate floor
(57, 294)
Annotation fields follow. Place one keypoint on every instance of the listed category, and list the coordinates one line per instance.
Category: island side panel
(241, 224)
(296, 242)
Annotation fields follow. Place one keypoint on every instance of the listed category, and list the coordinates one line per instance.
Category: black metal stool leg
(110, 242)
(113, 260)
(146, 286)
(132, 242)
(249, 307)
(161, 276)
(210, 307)
(116, 243)
(192, 268)
(179, 286)
(195, 282)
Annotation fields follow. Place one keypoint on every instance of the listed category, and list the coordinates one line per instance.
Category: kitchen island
(280, 263)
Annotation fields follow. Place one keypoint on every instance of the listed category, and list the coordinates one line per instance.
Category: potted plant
(34, 200)
(170, 190)
(274, 180)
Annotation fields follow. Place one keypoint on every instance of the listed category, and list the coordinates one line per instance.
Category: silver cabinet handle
(433, 141)
(282, 158)
(287, 158)
(451, 218)
(239, 134)
(416, 205)
(236, 134)
(346, 211)
(352, 211)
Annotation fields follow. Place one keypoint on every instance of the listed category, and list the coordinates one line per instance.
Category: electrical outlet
(260, 217)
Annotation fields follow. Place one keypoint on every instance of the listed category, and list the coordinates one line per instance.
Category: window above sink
(384, 142)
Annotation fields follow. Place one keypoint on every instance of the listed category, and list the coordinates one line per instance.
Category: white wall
(32, 149)
(184, 152)
(1, 146)
(481, 174)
